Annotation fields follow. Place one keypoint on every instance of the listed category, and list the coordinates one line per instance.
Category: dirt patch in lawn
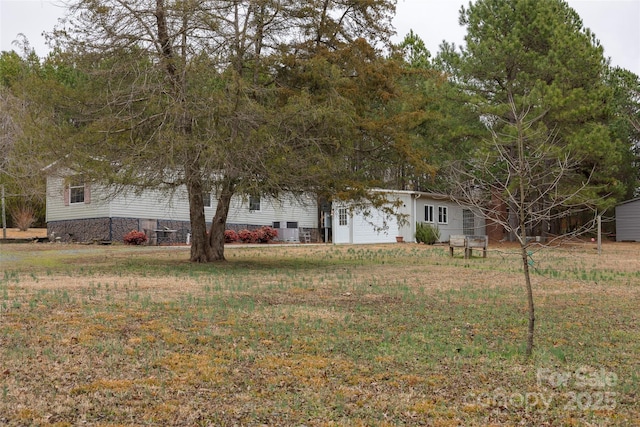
(14, 233)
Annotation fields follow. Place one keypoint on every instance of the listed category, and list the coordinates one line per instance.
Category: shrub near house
(230, 236)
(261, 235)
(23, 217)
(427, 233)
(135, 237)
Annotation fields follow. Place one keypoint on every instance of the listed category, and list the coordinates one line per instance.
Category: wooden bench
(457, 241)
(469, 243)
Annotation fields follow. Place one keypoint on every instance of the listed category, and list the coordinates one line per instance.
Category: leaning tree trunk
(219, 223)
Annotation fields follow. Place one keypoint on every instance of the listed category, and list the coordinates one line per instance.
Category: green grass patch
(316, 335)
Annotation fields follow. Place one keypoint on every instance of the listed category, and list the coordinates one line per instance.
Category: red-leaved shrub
(261, 235)
(230, 236)
(266, 234)
(247, 236)
(135, 237)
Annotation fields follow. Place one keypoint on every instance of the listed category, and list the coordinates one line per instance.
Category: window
(254, 203)
(285, 224)
(342, 216)
(76, 192)
(428, 213)
(468, 225)
(206, 198)
(443, 215)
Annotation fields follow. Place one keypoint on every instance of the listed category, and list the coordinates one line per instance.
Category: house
(79, 211)
(372, 226)
(628, 221)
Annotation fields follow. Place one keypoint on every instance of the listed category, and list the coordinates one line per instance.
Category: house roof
(629, 201)
(437, 196)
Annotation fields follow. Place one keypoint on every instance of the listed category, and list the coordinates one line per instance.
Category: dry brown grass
(15, 233)
(313, 335)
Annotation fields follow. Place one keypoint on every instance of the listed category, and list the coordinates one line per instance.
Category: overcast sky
(616, 24)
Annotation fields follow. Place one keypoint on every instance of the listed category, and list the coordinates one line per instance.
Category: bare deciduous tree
(536, 77)
(523, 168)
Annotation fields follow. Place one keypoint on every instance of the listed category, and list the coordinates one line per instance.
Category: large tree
(235, 96)
(20, 165)
(445, 124)
(625, 125)
(536, 77)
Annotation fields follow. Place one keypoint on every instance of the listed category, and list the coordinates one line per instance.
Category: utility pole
(4, 217)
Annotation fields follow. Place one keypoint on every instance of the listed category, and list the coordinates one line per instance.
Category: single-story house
(79, 211)
(628, 221)
(438, 210)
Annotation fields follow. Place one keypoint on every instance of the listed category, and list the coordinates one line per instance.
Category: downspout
(350, 219)
(414, 216)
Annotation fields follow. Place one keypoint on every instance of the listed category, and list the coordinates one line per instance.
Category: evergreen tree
(537, 79)
(239, 97)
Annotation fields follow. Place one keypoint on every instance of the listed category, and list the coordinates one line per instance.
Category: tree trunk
(219, 223)
(524, 245)
(530, 306)
(200, 247)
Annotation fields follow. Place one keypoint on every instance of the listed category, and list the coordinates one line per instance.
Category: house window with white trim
(254, 203)
(443, 215)
(428, 213)
(468, 222)
(342, 216)
(206, 198)
(76, 192)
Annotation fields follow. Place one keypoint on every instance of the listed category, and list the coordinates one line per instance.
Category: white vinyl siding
(375, 226)
(287, 209)
(58, 207)
(161, 205)
(454, 213)
(151, 204)
(411, 207)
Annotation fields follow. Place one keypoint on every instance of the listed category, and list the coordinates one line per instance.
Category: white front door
(341, 225)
